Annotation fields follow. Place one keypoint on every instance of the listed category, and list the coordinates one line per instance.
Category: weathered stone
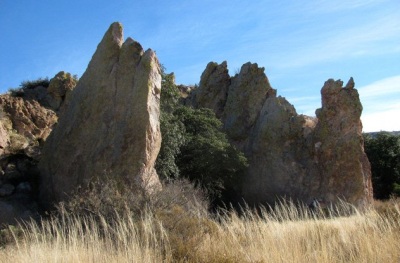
(213, 89)
(111, 126)
(4, 134)
(247, 94)
(290, 155)
(29, 119)
(342, 163)
(274, 166)
(60, 89)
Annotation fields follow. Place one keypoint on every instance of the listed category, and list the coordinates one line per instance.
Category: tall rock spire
(110, 128)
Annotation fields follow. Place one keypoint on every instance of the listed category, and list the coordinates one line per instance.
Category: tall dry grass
(287, 234)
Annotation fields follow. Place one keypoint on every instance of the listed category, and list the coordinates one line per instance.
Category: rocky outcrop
(111, 125)
(60, 89)
(290, 155)
(51, 94)
(213, 90)
(24, 126)
(338, 144)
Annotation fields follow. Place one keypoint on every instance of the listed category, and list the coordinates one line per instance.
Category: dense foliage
(383, 151)
(195, 147)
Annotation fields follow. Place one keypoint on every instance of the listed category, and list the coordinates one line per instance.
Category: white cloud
(381, 87)
(381, 121)
(381, 102)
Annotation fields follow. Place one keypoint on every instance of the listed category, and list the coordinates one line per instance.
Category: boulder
(292, 156)
(59, 90)
(110, 128)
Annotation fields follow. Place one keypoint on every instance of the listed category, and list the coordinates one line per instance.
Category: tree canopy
(383, 151)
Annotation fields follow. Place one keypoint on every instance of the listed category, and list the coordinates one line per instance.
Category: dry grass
(286, 235)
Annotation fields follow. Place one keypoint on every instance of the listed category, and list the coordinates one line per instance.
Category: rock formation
(215, 81)
(51, 94)
(111, 125)
(290, 155)
(60, 89)
(26, 121)
(24, 126)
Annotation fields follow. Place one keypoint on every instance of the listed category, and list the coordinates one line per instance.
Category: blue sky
(301, 44)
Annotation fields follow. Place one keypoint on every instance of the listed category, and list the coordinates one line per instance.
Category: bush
(180, 210)
(31, 84)
(185, 232)
(28, 84)
(109, 199)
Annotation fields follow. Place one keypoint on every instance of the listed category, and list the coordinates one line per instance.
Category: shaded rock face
(111, 125)
(290, 155)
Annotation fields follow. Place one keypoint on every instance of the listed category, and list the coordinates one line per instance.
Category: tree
(195, 147)
(172, 130)
(383, 151)
(207, 158)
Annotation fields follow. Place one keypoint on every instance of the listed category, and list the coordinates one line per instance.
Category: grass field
(288, 234)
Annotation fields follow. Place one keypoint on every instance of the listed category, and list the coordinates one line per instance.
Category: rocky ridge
(290, 155)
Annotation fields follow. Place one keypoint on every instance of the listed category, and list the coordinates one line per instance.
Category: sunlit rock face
(110, 127)
(290, 155)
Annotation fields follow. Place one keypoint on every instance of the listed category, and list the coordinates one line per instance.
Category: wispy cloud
(375, 38)
(382, 87)
(329, 6)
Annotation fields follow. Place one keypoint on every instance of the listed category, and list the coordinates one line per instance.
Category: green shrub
(383, 152)
(207, 158)
(195, 147)
(31, 84)
(28, 84)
